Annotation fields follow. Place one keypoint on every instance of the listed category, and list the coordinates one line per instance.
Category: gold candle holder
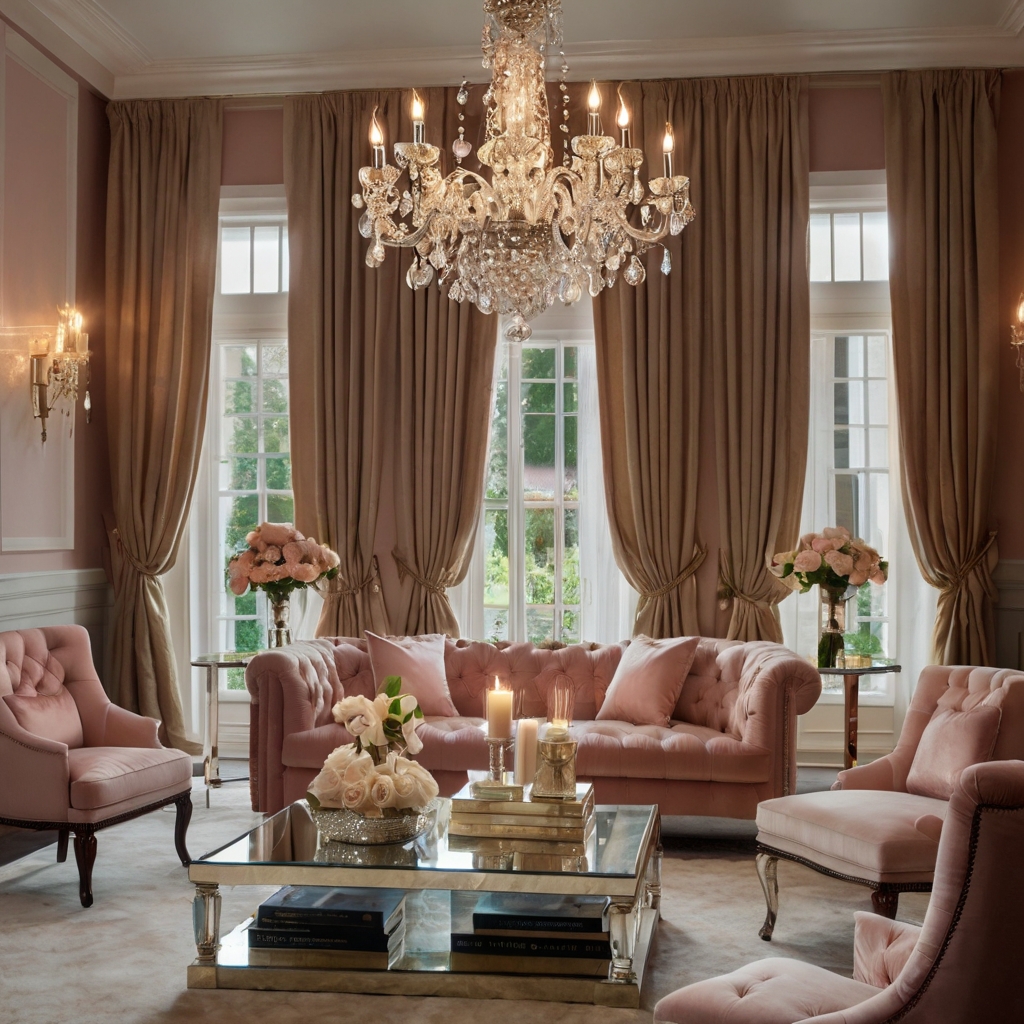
(556, 768)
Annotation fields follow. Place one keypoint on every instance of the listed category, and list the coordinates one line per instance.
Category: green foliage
(393, 687)
(497, 463)
(863, 643)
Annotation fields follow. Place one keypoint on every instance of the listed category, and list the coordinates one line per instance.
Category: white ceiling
(174, 47)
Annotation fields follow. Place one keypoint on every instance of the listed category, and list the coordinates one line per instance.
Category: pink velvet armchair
(960, 967)
(70, 760)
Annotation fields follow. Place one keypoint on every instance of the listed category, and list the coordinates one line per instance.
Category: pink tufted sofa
(731, 744)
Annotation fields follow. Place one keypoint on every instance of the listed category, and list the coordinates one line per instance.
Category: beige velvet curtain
(730, 324)
(940, 151)
(162, 202)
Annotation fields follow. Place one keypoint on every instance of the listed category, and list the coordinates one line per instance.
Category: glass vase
(832, 625)
(279, 632)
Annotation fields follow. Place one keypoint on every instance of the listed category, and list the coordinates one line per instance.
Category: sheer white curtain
(609, 602)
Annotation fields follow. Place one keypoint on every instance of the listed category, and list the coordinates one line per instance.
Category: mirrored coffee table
(620, 860)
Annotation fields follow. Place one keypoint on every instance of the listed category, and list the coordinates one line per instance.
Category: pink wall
(846, 131)
(253, 147)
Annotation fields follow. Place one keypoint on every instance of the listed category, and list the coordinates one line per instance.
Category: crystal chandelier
(537, 231)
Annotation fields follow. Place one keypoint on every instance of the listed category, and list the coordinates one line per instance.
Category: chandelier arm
(652, 235)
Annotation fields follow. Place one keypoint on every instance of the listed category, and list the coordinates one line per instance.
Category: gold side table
(851, 701)
(213, 663)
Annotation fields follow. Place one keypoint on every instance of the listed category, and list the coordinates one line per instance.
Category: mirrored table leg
(652, 879)
(622, 922)
(211, 761)
(206, 922)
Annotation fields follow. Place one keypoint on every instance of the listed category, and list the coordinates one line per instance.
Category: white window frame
(261, 316)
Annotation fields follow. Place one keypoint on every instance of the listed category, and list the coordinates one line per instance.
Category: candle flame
(376, 135)
(669, 142)
(594, 98)
(1020, 309)
(622, 120)
(417, 106)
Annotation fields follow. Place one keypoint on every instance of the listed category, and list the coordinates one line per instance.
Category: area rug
(124, 959)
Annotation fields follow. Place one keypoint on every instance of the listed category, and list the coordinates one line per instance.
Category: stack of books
(534, 934)
(319, 926)
(558, 820)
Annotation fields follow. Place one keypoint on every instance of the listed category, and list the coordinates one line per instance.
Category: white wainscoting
(1009, 578)
(820, 737)
(81, 596)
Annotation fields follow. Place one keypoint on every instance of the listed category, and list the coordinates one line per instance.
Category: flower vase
(279, 633)
(831, 653)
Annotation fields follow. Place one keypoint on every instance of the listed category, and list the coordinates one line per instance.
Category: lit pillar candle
(377, 142)
(499, 712)
(526, 751)
(594, 110)
(418, 132)
(667, 145)
(558, 729)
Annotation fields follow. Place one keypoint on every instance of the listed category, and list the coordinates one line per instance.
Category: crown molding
(98, 32)
(1012, 20)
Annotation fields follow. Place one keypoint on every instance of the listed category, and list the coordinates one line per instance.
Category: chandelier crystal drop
(538, 231)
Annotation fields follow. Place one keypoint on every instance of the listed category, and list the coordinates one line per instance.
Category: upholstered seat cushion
(449, 744)
(872, 834)
(772, 991)
(102, 776)
(680, 751)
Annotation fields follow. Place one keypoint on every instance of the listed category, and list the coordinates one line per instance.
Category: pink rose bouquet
(832, 559)
(279, 559)
(371, 775)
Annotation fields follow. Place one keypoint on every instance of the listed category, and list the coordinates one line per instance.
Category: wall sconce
(55, 375)
(1017, 338)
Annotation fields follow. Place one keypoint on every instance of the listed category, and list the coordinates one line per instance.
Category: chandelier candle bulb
(499, 712)
(623, 122)
(668, 144)
(526, 751)
(377, 143)
(417, 118)
(594, 110)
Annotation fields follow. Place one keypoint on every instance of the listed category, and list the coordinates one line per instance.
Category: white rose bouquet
(371, 776)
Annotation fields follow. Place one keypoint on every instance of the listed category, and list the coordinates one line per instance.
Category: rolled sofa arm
(881, 948)
(36, 780)
(292, 690)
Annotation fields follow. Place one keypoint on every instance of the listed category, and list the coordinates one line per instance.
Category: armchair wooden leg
(85, 854)
(182, 817)
(62, 845)
(767, 873)
(885, 903)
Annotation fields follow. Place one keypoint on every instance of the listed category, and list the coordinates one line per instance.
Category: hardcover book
(541, 913)
(580, 947)
(364, 940)
(581, 807)
(579, 833)
(323, 905)
(340, 959)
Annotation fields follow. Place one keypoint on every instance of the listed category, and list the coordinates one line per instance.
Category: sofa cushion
(101, 776)
(679, 751)
(54, 716)
(952, 741)
(873, 834)
(419, 660)
(648, 680)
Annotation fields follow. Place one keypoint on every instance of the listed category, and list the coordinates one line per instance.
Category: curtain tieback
(122, 550)
(346, 591)
(694, 564)
(439, 586)
(956, 580)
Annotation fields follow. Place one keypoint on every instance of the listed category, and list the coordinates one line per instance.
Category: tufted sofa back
(711, 696)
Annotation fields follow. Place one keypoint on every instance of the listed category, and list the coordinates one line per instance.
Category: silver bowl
(344, 826)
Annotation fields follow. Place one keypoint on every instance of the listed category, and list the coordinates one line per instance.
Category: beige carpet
(124, 959)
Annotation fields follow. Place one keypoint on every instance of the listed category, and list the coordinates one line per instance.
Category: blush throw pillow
(952, 741)
(54, 716)
(648, 681)
(419, 660)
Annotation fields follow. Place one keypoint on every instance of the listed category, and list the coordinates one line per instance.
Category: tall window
(531, 531)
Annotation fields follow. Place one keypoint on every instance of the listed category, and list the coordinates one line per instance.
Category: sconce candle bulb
(1017, 338)
(55, 376)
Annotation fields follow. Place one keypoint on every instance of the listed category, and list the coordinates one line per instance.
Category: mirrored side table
(213, 663)
(851, 693)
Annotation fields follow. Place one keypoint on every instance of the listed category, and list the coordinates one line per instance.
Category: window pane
(275, 396)
(876, 246)
(238, 360)
(841, 449)
(571, 558)
(539, 457)
(275, 434)
(236, 677)
(841, 404)
(842, 359)
(239, 396)
(280, 508)
(266, 259)
(497, 459)
(246, 604)
(878, 401)
(848, 502)
(540, 555)
(496, 561)
(876, 357)
(876, 533)
(570, 485)
(879, 451)
(538, 397)
(285, 263)
(821, 247)
(238, 474)
(570, 362)
(570, 397)
(275, 360)
(855, 356)
(855, 402)
(238, 516)
(538, 364)
(570, 626)
(846, 232)
(248, 636)
(540, 624)
(239, 435)
(279, 474)
(858, 448)
(495, 624)
(234, 261)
